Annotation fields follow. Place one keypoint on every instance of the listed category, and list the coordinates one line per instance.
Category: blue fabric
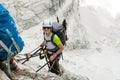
(7, 22)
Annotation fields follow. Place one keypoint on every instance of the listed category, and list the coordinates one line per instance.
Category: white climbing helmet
(47, 23)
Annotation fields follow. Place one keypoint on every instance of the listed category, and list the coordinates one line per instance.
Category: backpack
(59, 30)
(10, 40)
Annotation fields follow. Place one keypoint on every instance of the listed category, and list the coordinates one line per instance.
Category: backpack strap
(52, 39)
(56, 47)
(45, 39)
(13, 41)
(5, 47)
(8, 50)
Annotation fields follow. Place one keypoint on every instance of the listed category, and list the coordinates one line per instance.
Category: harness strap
(53, 50)
(52, 39)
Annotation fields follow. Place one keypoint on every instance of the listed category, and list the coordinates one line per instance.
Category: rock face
(28, 74)
(30, 13)
(3, 76)
(44, 75)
